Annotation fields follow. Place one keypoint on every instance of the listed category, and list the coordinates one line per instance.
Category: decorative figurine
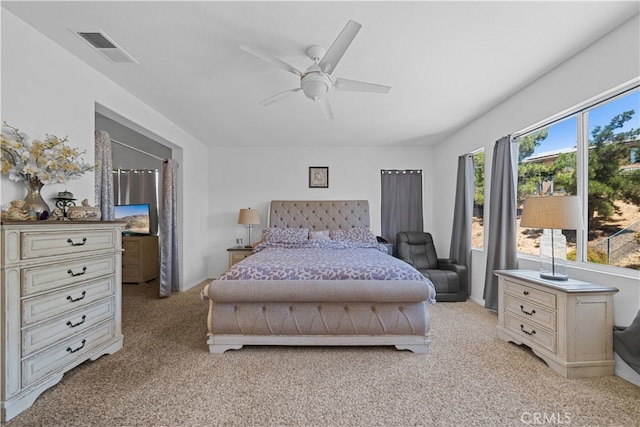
(15, 212)
(85, 212)
(64, 200)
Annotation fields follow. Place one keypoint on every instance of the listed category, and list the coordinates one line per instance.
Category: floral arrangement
(50, 161)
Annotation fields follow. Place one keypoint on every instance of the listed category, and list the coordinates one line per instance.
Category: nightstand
(389, 247)
(238, 253)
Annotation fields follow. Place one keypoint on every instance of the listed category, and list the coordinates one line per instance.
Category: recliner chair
(448, 277)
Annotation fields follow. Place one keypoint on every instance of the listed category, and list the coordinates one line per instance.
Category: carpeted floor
(165, 376)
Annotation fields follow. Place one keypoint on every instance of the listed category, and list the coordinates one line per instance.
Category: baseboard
(477, 301)
(624, 371)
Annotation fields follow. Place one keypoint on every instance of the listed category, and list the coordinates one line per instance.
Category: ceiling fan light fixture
(315, 85)
(317, 80)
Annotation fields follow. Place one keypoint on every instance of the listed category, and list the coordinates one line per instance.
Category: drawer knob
(84, 270)
(79, 348)
(84, 240)
(73, 325)
(84, 294)
(533, 332)
(528, 313)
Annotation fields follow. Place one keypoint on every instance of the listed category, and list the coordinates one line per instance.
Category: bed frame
(334, 313)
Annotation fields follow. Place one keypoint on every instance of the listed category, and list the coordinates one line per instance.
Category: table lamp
(553, 214)
(249, 217)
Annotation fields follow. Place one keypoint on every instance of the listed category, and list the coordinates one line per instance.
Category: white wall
(45, 89)
(252, 176)
(611, 61)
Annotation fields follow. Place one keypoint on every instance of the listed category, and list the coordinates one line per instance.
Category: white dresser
(61, 299)
(568, 324)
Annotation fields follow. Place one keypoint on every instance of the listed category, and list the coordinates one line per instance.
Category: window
(546, 161)
(592, 153)
(613, 208)
(477, 219)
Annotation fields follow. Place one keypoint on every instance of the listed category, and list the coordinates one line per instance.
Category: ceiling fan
(316, 81)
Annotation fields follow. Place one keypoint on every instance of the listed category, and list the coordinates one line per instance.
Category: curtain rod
(397, 171)
(474, 152)
(138, 150)
(135, 170)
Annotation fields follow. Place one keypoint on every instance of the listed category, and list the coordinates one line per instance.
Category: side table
(568, 324)
(238, 253)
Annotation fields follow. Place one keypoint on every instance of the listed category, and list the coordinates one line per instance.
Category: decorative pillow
(319, 235)
(285, 235)
(354, 235)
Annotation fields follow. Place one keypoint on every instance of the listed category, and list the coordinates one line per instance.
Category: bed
(317, 278)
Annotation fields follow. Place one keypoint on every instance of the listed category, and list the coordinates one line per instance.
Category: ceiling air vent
(106, 47)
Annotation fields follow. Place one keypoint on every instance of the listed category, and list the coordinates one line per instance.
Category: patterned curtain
(401, 202)
(460, 248)
(169, 254)
(104, 180)
(501, 246)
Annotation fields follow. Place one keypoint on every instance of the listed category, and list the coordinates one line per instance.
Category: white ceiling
(447, 62)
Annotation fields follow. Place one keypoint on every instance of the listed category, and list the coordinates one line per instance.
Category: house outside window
(593, 153)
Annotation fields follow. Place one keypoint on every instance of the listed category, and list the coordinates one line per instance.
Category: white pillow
(319, 235)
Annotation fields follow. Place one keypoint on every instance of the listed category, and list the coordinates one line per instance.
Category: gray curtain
(133, 186)
(104, 181)
(169, 255)
(460, 248)
(501, 247)
(401, 202)
(626, 342)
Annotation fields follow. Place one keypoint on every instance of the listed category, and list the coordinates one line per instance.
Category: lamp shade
(249, 216)
(553, 212)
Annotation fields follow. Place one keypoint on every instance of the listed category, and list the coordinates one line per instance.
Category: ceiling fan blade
(279, 96)
(271, 59)
(339, 47)
(358, 86)
(324, 105)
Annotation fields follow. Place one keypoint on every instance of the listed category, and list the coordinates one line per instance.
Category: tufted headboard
(319, 214)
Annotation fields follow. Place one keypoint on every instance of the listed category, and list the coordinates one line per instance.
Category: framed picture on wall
(318, 177)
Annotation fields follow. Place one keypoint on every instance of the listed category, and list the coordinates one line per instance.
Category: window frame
(581, 111)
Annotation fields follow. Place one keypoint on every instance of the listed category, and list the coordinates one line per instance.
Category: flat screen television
(136, 217)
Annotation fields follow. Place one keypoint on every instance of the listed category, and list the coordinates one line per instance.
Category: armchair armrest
(450, 264)
(461, 271)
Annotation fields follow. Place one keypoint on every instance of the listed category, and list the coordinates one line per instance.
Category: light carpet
(165, 376)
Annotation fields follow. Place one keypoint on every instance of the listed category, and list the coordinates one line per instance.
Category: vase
(34, 201)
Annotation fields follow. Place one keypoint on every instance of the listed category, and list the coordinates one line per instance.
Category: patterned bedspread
(322, 260)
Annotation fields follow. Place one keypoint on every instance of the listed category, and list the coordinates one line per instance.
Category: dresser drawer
(62, 327)
(532, 312)
(48, 305)
(131, 274)
(57, 357)
(531, 294)
(39, 279)
(130, 254)
(530, 332)
(46, 244)
(237, 257)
